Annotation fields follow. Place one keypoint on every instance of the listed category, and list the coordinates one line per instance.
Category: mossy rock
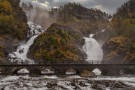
(57, 44)
(86, 73)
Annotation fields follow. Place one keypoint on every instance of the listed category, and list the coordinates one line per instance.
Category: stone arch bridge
(60, 69)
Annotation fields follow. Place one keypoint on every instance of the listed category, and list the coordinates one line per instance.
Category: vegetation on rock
(13, 25)
(121, 47)
(57, 44)
(81, 18)
(10, 21)
(87, 73)
(62, 40)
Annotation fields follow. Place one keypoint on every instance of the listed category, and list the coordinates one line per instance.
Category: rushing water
(66, 83)
(93, 49)
(20, 55)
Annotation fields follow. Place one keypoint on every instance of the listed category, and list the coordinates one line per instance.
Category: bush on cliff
(122, 47)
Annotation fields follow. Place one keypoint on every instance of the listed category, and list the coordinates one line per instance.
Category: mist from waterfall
(20, 55)
(38, 13)
(93, 50)
(38, 18)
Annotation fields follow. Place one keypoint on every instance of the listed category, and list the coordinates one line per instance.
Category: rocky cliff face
(115, 49)
(121, 47)
(82, 19)
(13, 26)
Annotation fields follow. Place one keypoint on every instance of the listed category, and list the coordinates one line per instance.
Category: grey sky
(108, 6)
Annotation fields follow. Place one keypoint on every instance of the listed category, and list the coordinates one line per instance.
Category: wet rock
(21, 51)
(98, 86)
(51, 84)
(83, 84)
(73, 83)
(101, 85)
(58, 88)
(82, 42)
(2, 88)
(119, 85)
(34, 83)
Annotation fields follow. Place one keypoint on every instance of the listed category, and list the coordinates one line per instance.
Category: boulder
(86, 73)
(98, 86)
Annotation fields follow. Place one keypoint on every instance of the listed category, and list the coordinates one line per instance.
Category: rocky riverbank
(65, 83)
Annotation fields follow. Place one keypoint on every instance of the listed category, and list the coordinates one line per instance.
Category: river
(66, 83)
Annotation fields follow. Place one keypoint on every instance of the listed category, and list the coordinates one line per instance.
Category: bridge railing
(79, 62)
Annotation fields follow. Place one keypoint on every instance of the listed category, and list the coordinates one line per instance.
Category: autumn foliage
(9, 23)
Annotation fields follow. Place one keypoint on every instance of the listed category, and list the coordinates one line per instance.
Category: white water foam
(97, 72)
(20, 55)
(40, 83)
(124, 78)
(93, 50)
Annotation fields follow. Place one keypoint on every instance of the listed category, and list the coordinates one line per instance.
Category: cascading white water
(20, 55)
(93, 50)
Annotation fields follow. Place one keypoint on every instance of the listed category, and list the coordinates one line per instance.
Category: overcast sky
(108, 6)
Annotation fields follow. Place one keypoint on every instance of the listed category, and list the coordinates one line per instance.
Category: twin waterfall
(91, 47)
(20, 55)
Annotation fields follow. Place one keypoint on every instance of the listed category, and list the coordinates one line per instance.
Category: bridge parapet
(80, 62)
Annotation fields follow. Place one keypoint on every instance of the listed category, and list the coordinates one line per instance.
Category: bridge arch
(31, 70)
(106, 69)
(71, 71)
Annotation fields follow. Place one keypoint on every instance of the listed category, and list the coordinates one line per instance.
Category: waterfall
(20, 55)
(93, 50)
